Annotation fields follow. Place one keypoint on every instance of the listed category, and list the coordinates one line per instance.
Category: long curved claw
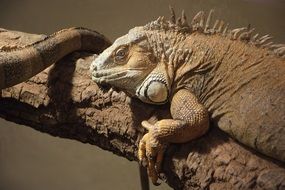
(156, 184)
(159, 159)
(151, 171)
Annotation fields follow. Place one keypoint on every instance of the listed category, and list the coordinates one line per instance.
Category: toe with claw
(151, 151)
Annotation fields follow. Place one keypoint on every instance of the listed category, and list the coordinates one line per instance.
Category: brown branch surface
(64, 102)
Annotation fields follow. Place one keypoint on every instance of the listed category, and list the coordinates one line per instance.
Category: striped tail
(19, 65)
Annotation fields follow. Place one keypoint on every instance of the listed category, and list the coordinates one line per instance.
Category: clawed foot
(151, 152)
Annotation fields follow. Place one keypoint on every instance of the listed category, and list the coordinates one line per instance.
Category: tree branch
(64, 102)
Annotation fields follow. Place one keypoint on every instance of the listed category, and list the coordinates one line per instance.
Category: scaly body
(206, 73)
(20, 64)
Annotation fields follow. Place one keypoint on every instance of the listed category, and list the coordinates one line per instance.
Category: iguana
(207, 72)
(19, 64)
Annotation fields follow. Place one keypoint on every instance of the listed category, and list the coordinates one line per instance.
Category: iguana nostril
(93, 67)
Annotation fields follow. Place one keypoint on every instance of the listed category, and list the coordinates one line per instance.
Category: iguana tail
(21, 64)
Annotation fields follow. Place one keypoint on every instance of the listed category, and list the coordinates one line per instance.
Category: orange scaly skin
(236, 80)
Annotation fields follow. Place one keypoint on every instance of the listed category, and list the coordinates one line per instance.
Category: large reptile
(207, 73)
(19, 64)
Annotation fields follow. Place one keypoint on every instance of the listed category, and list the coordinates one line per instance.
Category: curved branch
(64, 102)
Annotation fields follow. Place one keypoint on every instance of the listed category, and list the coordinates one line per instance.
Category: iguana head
(130, 64)
(141, 62)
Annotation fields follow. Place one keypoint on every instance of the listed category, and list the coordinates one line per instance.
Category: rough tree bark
(64, 102)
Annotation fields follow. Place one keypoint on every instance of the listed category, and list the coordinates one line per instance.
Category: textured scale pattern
(232, 77)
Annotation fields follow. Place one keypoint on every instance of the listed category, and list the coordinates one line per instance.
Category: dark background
(33, 160)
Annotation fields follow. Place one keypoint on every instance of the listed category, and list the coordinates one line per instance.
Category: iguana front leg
(190, 121)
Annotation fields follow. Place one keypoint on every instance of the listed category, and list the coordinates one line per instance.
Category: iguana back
(243, 88)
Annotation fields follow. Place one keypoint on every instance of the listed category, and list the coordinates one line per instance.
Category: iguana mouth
(109, 75)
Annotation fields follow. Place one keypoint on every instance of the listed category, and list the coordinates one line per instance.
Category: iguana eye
(121, 53)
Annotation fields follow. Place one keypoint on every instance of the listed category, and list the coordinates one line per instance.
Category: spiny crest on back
(201, 24)
(179, 25)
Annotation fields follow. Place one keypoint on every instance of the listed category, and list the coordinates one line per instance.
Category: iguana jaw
(119, 78)
(149, 87)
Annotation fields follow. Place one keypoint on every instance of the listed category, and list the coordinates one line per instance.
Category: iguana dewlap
(206, 72)
(19, 64)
